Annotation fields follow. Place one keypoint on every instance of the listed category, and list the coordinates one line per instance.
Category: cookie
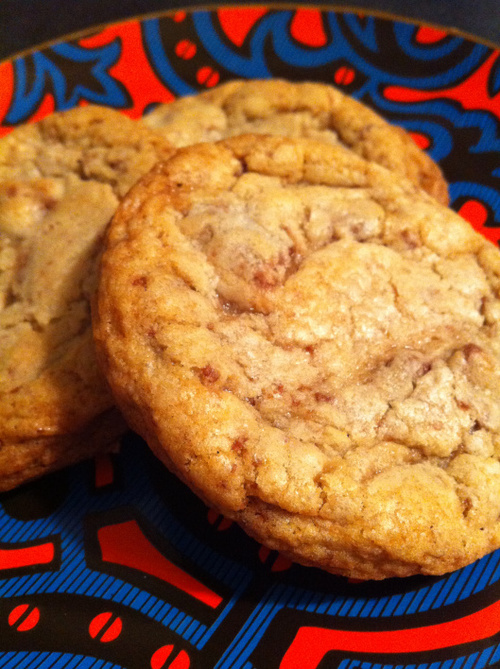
(311, 344)
(60, 182)
(314, 110)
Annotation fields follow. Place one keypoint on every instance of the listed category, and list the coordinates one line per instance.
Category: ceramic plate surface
(114, 563)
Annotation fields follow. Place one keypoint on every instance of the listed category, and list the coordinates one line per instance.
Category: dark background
(26, 23)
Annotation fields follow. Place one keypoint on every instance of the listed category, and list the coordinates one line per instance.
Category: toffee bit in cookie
(324, 397)
(424, 369)
(467, 506)
(411, 239)
(140, 281)
(471, 350)
(207, 374)
(265, 278)
(238, 445)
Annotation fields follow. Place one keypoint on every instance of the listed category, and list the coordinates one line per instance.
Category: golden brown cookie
(314, 110)
(60, 182)
(312, 344)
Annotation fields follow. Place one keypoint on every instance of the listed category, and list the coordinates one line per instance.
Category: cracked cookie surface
(60, 182)
(318, 111)
(312, 344)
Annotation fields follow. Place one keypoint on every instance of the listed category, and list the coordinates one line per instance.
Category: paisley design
(44, 72)
(114, 563)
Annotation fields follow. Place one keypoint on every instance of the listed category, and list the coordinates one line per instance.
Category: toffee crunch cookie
(60, 182)
(312, 344)
(314, 110)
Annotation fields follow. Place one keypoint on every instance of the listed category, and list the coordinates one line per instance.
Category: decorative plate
(114, 563)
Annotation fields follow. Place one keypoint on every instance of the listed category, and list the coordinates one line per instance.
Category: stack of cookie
(300, 331)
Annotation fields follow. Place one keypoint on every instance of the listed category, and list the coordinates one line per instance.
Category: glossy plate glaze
(114, 563)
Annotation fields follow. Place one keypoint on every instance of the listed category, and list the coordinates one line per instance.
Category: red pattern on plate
(238, 22)
(471, 93)
(133, 69)
(125, 544)
(307, 27)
